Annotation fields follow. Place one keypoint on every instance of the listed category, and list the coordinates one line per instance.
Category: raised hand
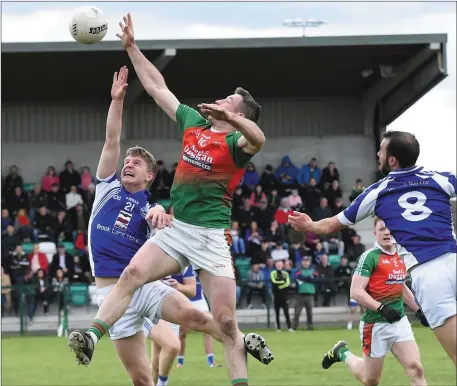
(127, 37)
(120, 84)
(300, 221)
(214, 111)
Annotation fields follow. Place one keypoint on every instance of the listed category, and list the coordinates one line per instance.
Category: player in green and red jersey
(378, 284)
(218, 142)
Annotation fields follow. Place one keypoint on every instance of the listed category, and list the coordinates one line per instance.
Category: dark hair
(249, 107)
(403, 146)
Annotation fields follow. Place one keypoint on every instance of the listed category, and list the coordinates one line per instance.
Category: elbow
(259, 141)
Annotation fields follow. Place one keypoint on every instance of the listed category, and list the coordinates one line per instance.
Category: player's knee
(132, 277)
(415, 370)
(195, 316)
(141, 378)
(173, 347)
(371, 381)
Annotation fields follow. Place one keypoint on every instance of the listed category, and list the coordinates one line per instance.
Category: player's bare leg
(165, 348)
(182, 338)
(407, 353)
(132, 352)
(446, 335)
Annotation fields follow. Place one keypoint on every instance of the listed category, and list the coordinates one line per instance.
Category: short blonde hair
(376, 219)
(138, 151)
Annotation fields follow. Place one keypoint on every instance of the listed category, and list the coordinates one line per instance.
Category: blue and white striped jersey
(414, 204)
(117, 227)
(189, 272)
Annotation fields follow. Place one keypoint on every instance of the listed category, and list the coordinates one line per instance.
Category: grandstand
(323, 97)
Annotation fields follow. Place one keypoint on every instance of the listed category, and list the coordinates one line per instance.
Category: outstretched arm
(111, 149)
(303, 223)
(150, 77)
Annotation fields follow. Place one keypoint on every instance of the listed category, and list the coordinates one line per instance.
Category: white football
(88, 25)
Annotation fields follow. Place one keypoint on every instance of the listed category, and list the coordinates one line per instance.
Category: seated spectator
(279, 253)
(326, 283)
(7, 302)
(81, 272)
(246, 215)
(251, 177)
(311, 170)
(295, 237)
(257, 196)
(56, 199)
(12, 181)
(268, 179)
(38, 260)
(297, 252)
(43, 292)
(333, 192)
(69, 177)
(339, 207)
(6, 220)
(311, 240)
(274, 199)
(323, 211)
(283, 212)
(18, 200)
(238, 200)
(275, 234)
(355, 250)
(333, 244)
(343, 275)
(89, 197)
(255, 283)
(86, 178)
(357, 189)
(318, 252)
(73, 198)
(306, 290)
(43, 225)
(264, 216)
(10, 240)
(286, 174)
(23, 226)
(295, 201)
(80, 240)
(79, 219)
(38, 198)
(311, 195)
(253, 238)
(238, 245)
(262, 255)
(329, 174)
(62, 260)
(161, 184)
(49, 179)
(63, 227)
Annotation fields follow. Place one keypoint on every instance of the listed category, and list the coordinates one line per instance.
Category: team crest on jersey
(123, 220)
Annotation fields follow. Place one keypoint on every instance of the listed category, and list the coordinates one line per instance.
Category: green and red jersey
(209, 170)
(387, 274)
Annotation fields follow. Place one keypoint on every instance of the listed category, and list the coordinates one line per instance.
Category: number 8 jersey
(414, 204)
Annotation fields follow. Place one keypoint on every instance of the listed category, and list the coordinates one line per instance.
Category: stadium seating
(27, 247)
(334, 260)
(243, 264)
(28, 186)
(49, 248)
(79, 294)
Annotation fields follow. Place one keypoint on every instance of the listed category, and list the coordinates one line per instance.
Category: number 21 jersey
(414, 204)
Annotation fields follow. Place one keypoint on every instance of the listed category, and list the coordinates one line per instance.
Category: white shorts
(434, 285)
(146, 303)
(204, 248)
(378, 338)
(201, 305)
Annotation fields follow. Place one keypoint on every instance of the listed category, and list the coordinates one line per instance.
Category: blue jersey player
(414, 203)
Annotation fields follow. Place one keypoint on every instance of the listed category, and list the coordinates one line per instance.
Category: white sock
(349, 325)
(93, 336)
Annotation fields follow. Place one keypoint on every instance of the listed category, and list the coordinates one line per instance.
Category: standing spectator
(273, 199)
(161, 184)
(73, 198)
(311, 170)
(295, 201)
(10, 240)
(311, 194)
(56, 199)
(323, 211)
(268, 179)
(246, 215)
(286, 174)
(264, 216)
(237, 202)
(281, 281)
(43, 225)
(60, 287)
(355, 250)
(38, 260)
(238, 245)
(6, 293)
(297, 252)
(261, 256)
(256, 284)
(6, 219)
(19, 268)
(12, 181)
(69, 177)
(257, 196)
(333, 192)
(279, 253)
(86, 178)
(62, 260)
(23, 225)
(357, 189)
(275, 235)
(89, 197)
(329, 174)
(38, 198)
(251, 177)
(343, 275)
(326, 280)
(49, 179)
(18, 200)
(43, 291)
(306, 289)
(339, 207)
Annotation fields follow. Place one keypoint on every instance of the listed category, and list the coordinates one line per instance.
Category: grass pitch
(47, 361)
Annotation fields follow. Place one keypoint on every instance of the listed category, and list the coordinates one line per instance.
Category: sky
(432, 119)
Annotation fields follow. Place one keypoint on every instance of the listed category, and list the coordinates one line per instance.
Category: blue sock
(180, 360)
(210, 359)
(162, 381)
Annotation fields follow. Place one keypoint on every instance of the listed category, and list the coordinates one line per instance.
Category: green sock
(98, 328)
(240, 382)
(343, 353)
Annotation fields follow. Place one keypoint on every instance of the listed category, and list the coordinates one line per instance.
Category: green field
(48, 361)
